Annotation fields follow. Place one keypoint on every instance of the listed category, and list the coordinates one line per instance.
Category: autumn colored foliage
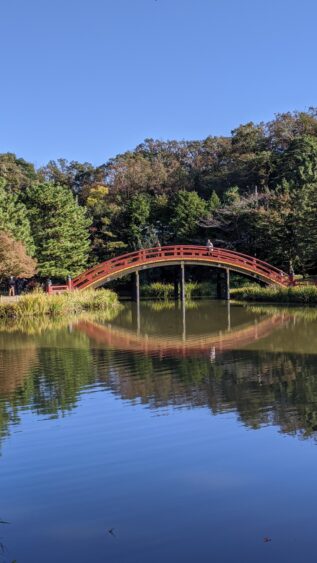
(14, 261)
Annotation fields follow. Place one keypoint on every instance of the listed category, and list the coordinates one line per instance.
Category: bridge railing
(158, 254)
(53, 289)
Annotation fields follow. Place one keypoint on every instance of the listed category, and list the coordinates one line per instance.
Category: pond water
(166, 435)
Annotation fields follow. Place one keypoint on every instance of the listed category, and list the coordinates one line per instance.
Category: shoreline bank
(41, 304)
(305, 294)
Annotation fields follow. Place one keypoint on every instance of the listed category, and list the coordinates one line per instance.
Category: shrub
(298, 294)
(40, 304)
(158, 290)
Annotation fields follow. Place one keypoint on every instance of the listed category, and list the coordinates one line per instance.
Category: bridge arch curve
(176, 255)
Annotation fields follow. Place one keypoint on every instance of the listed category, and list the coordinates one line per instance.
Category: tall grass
(165, 291)
(39, 304)
(158, 290)
(299, 294)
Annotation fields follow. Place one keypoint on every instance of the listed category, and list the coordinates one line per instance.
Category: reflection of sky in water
(162, 449)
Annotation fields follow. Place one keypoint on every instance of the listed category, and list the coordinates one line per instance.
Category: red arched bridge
(175, 255)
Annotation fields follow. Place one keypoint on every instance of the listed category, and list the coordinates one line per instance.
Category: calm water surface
(165, 435)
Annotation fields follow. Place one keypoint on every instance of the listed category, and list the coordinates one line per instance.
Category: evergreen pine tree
(60, 230)
(214, 201)
(14, 218)
(137, 218)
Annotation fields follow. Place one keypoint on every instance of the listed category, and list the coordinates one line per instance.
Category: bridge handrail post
(49, 288)
(69, 283)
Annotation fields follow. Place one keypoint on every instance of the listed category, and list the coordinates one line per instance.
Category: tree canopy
(14, 260)
(60, 230)
(14, 218)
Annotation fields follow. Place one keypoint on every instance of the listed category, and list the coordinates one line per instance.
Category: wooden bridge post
(223, 284)
(183, 281)
(227, 284)
(136, 289)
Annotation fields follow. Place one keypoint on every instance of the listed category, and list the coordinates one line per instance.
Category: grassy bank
(274, 294)
(41, 304)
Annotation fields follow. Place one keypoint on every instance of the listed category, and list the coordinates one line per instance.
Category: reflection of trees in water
(49, 381)
(262, 387)
(16, 361)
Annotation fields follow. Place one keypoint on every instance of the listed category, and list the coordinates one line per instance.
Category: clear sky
(87, 79)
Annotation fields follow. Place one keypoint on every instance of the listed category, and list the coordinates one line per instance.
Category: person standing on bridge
(210, 247)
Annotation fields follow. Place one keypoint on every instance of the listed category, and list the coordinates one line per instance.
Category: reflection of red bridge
(121, 339)
(176, 255)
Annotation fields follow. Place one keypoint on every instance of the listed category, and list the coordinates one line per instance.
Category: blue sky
(87, 79)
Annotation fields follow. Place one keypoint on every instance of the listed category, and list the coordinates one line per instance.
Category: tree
(231, 195)
(298, 164)
(288, 126)
(187, 210)
(17, 172)
(137, 219)
(106, 212)
(14, 260)
(214, 201)
(60, 230)
(160, 219)
(14, 217)
(77, 176)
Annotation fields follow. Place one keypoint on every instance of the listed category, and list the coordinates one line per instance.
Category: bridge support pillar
(136, 289)
(183, 281)
(223, 285)
(227, 285)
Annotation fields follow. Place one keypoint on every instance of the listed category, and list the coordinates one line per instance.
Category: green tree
(17, 172)
(14, 217)
(60, 230)
(137, 220)
(160, 218)
(214, 201)
(231, 195)
(298, 164)
(187, 211)
(106, 213)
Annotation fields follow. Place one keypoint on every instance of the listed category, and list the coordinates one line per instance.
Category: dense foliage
(299, 294)
(255, 191)
(60, 230)
(14, 258)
